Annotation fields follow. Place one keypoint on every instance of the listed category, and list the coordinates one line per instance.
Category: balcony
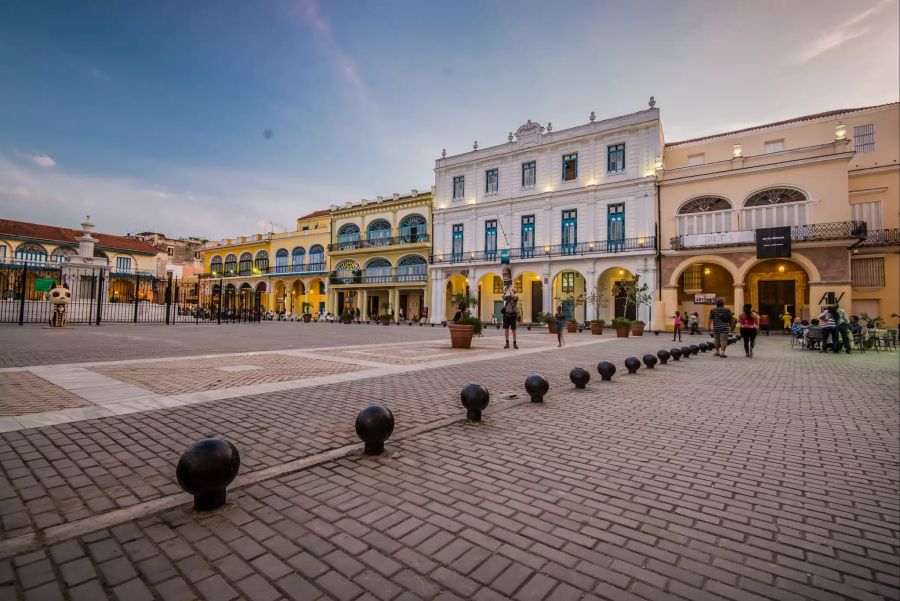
(372, 242)
(379, 275)
(269, 271)
(889, 237)
(839, 230)
(646, 243)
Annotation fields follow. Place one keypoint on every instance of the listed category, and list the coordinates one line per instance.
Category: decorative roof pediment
(529, 130)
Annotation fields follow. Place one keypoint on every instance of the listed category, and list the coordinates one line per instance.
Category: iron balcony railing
(376, 276)
(838, 230)
(647, 243)
(888, 237)
(269, 270)
(355, 243)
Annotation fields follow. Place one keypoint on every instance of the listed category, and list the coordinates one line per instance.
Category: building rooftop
(315, 214)
(65, 235)
(812, 117)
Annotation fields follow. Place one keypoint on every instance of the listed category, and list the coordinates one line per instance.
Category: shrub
(621, 321)
(471, 320)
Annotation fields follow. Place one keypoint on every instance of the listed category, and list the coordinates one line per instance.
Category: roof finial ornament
(652, 102)
(475, 145)
(549, 127)
(509, 137)
(593, 117)
(444, 153)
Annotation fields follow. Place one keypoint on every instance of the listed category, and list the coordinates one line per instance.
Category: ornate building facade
(832, 178)
(573, 210)
(379, 256)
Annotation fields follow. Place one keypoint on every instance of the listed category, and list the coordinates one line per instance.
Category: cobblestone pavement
(770, 478)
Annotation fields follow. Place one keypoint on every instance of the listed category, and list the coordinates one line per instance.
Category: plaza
(706, 478)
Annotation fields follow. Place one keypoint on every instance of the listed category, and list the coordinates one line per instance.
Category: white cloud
(846, 31)
(40, 159)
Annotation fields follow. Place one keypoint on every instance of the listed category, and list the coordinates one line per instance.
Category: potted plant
(548, 319)
(388, 315)
(637, 328)
(571, 326)
(462, 329)
(307, 316)
(622, 326)
(574, 301)
(634, 294)
(346, 316)
(597, 326)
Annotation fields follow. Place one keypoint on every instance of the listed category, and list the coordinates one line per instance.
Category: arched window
(411, 268)
(316, 258)
(262, 262)
(379, 232)
(281, 261)
(59, 254)
(245, 266)
(704, 215)
(378, 270)
(775, 207)
(31, 253)
(412, 229)
(230, 265)
(348, 236)
(215, 266)
(298, 258)
(346, 272)
(347, 265)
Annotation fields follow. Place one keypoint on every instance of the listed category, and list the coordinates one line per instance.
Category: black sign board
(773, 242)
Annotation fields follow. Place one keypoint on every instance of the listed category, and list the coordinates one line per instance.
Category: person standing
(749, 327)
(843, 329)
(560, 323)
(510, 314)
(829, 329)
(720, 324)
(677, 332)
(694, 323)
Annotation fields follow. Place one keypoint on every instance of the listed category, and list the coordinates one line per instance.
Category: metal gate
(103, 296)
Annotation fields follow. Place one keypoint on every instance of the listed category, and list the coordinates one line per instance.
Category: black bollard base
(374, 448)
(473, 415)
(209, 501)
(537, 399)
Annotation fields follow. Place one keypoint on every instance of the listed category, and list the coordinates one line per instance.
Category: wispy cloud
(40, 159)
(310, 13)
(843, 33)
(98, 74)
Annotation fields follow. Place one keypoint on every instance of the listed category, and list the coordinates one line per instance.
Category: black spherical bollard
(686, 352)
(206, 469)
(475, 398)
(374, 425)
(632, 364)
(536, 386)
(650, 360)
(663, 355)
(694, 349)
(607, 370)
(702, 347)
(580, 377)
(676, 353)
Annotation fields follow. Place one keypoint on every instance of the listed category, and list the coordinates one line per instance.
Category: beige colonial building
(832, 177)
(379, 256)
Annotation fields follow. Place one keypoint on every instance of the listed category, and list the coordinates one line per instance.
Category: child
(677, 332)
(560, 318)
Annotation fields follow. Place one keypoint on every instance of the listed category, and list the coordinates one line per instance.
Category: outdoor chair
(798, 341)
(859, 343)
(813, 340)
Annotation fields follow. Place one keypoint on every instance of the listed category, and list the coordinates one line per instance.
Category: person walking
(510, 314)
(721, 321)
(749, 322)
(694, 323)
(560, 323)
(677, 332)
(843, 329)
(829, 329)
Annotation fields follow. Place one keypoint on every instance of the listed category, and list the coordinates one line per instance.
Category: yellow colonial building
(279, 272)
(831, 178)
(379, 256)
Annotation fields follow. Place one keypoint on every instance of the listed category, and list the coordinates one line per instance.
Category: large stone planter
(460, 335)
(572, 327)
(307, 318)
(552, 328)
(596, 329)
(623, 331)
(637, 329)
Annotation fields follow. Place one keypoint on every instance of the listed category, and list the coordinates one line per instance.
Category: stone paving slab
(24, 392)
(736, 479)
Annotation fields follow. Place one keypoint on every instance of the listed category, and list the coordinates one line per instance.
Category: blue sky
(151, 115)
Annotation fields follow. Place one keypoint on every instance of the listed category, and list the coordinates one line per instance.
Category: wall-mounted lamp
(840, 131)
(707, 271)
(621, 272)
(781, 268)
(737, 150)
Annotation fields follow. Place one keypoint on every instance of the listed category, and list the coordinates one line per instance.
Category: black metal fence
(103, 296)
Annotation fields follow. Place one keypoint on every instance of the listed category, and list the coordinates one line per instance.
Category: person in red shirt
(749, 322)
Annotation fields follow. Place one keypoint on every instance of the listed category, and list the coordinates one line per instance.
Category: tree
(597, 299)
(633, 292)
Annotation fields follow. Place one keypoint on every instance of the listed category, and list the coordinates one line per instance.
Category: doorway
(774, 297)
(537, 299)
(404, 306)
(621, 302)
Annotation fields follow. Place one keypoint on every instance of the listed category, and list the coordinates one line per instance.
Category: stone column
(437, 309)
(547, 289)
(363, 304)
(666, 307)
(739, 299)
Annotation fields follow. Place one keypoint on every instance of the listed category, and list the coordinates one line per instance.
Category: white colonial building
(574, 209)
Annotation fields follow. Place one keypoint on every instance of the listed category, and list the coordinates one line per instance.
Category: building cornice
(877, 169)
(388, 204)
(843, 156)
